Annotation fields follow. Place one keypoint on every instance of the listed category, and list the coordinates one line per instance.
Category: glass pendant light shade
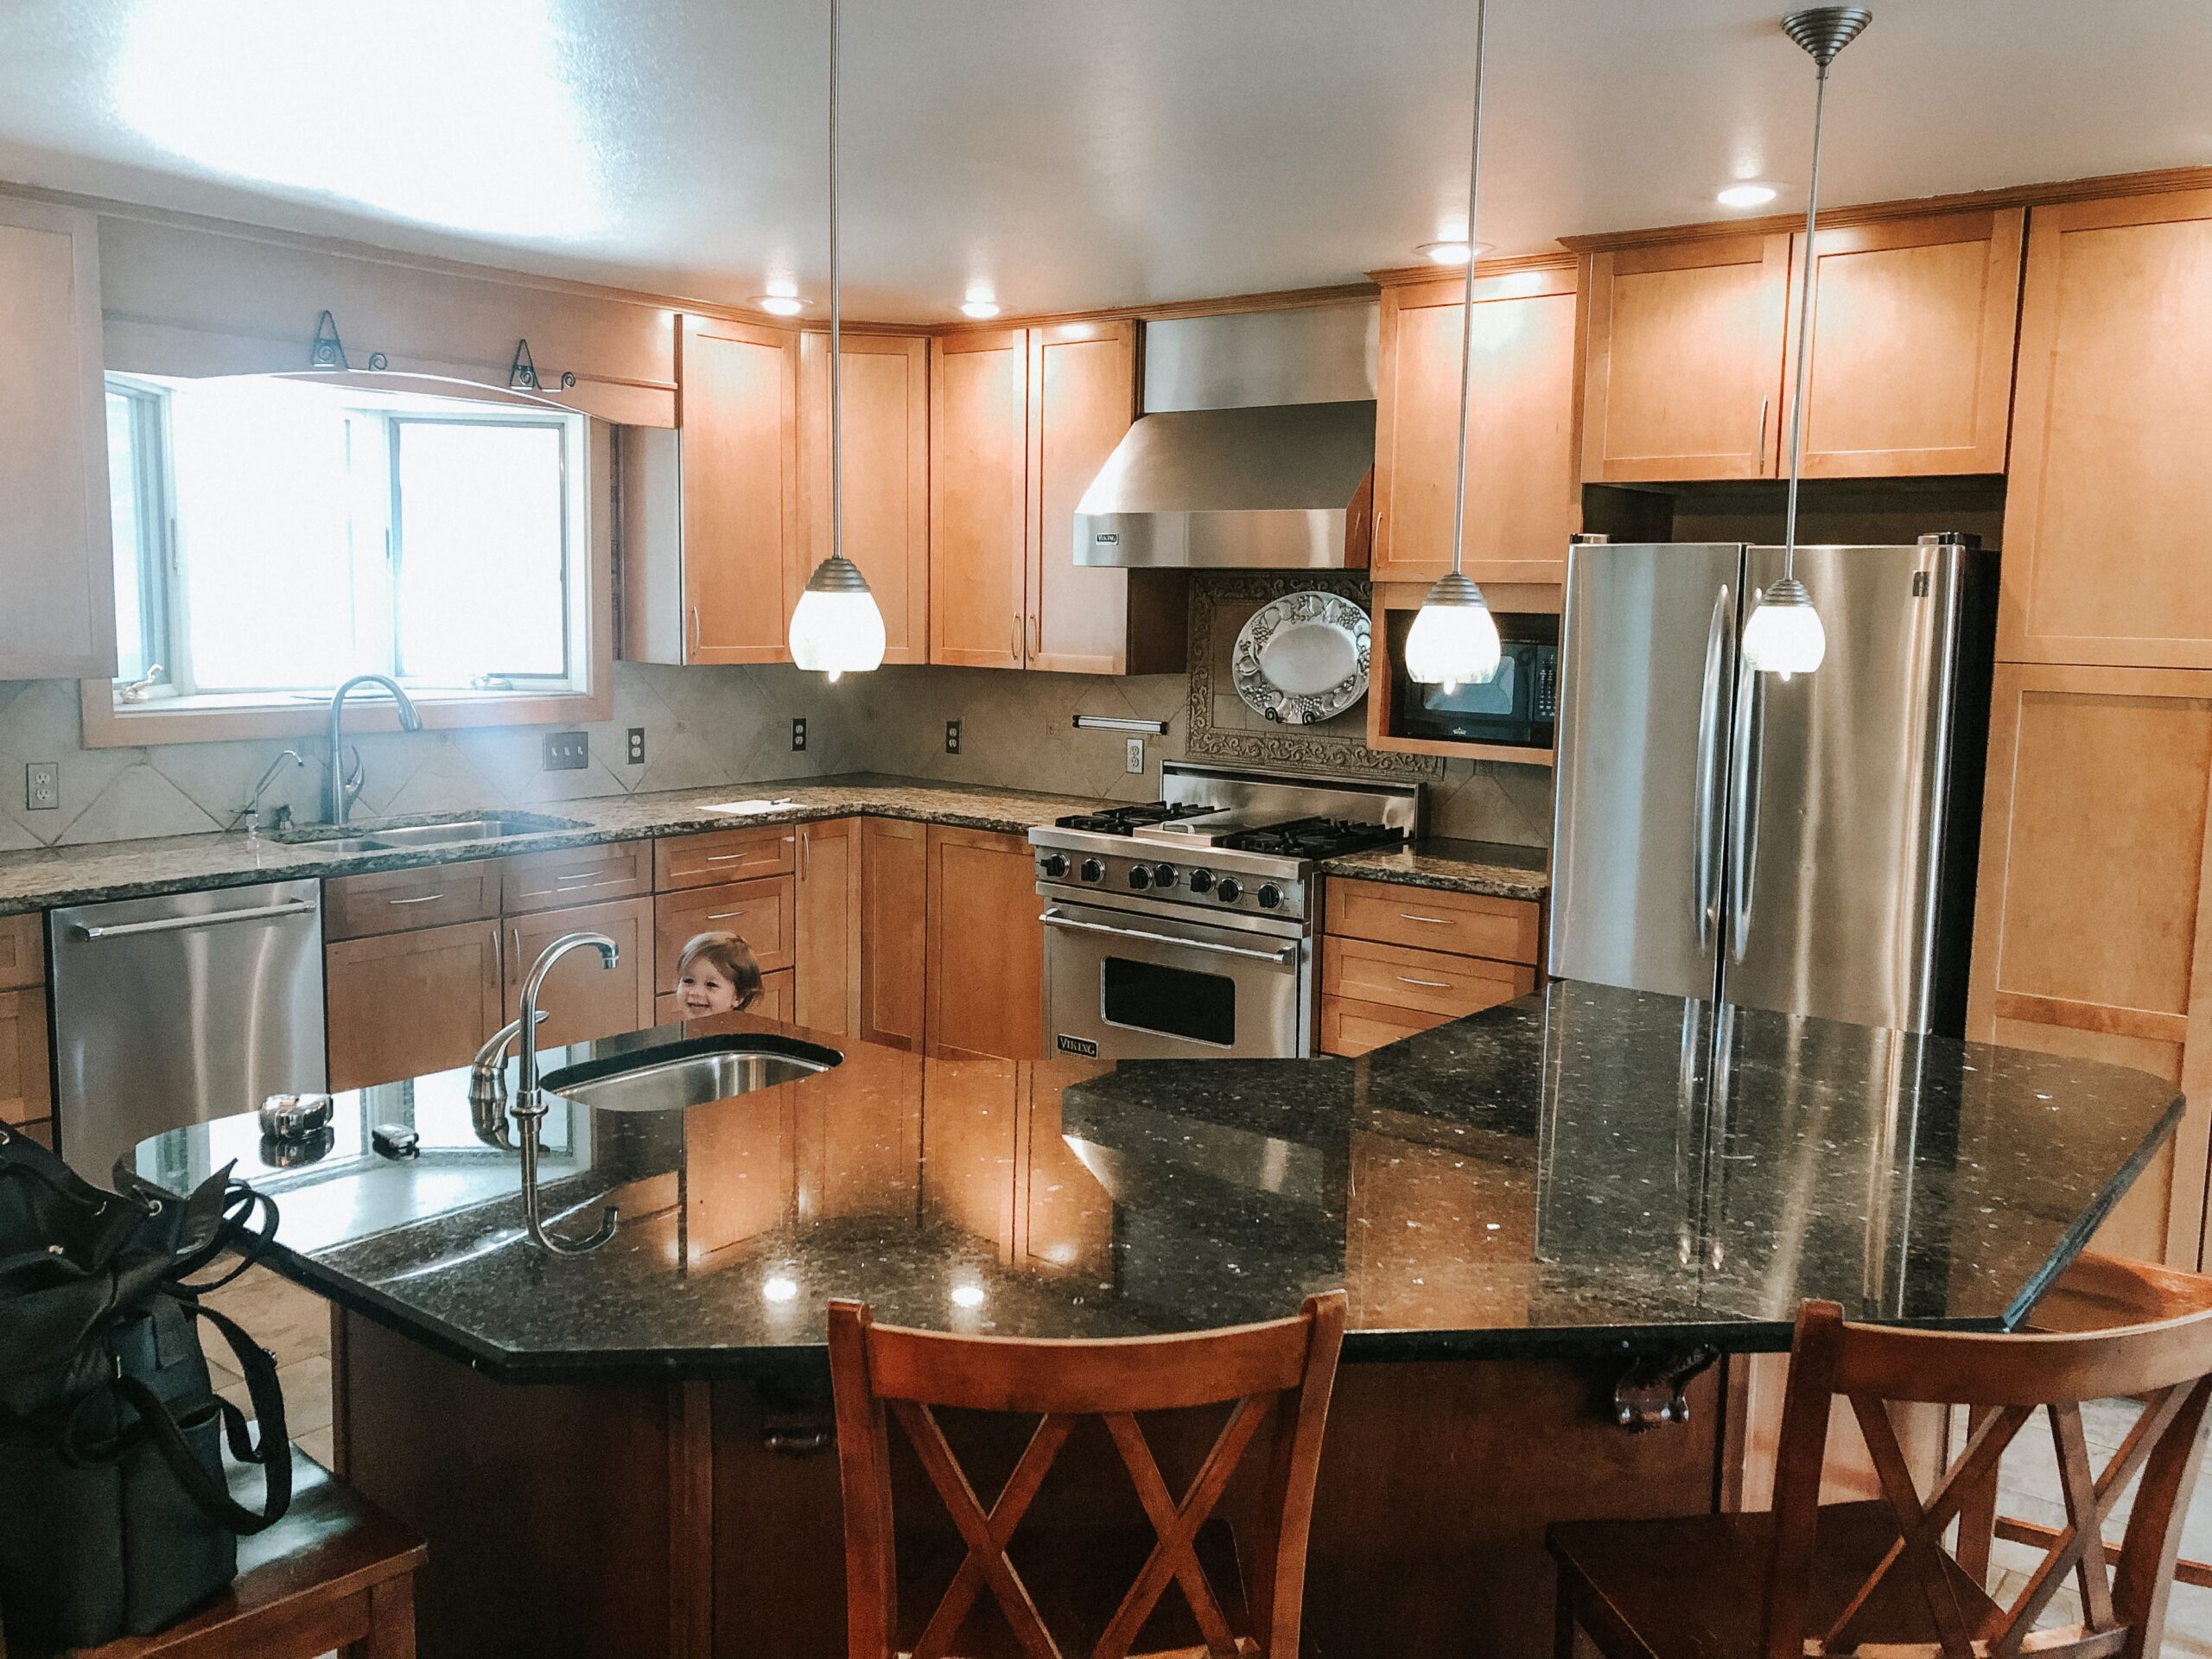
(1453, 640)
(838, 627)
(1785, 635)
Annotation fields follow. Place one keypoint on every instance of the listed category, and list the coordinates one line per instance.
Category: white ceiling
(1073, 153)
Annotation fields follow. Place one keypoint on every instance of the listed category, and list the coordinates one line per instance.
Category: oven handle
(1056, 918)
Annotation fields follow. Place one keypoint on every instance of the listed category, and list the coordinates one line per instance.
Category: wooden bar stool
(334, 1572)
(1274, 1379)
(1806, 1580)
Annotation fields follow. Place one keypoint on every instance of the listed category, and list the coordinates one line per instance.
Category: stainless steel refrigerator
(1806, 845)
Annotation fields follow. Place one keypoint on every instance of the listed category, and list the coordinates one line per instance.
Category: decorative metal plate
(1302, 659)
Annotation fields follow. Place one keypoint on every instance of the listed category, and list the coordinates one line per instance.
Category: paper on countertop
(741, 809)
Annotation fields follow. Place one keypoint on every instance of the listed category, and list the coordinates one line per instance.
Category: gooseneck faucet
(339, 790)
(528, 1108)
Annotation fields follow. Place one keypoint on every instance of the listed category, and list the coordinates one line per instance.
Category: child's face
(702, 990)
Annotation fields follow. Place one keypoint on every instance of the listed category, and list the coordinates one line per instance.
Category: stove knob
(1054, 864)
(1093, 870)
(1270, 896)
(1139, 876)
(1227, 890)
(1163, 876)
(1201, 881)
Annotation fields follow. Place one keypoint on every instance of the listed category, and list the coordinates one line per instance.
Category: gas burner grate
(1312, 838)
(1123, 820)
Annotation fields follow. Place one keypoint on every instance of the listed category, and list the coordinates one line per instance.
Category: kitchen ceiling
(1066, 153)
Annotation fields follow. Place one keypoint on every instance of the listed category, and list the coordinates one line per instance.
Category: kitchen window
(275, 536)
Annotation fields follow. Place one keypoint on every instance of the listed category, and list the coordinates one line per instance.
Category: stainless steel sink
(676, 1075)
(401, 837)
(438, 835)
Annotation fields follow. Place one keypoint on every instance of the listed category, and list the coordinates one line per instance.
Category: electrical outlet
(637, 745)
(1136, 754)
(42, 785)
(799, 733)
(567, 751)
(952, 737)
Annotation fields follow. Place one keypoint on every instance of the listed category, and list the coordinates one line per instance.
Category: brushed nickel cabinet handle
(694, 651)
(724, 915)
(725, 858)
(1765, 402)
(424, 898)
(1426, 984)
(1014, 651)
(1432, 921)
(1037, 633)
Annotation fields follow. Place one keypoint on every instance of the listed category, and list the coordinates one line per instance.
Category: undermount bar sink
(444, 832)
(691, 1073)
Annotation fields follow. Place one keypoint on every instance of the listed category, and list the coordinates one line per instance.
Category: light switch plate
(42, 785)
(567, 751)
(1136, 754)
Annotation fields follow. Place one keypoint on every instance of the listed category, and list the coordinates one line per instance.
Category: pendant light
(1453, 640)
(836, 627)
(1785, 635)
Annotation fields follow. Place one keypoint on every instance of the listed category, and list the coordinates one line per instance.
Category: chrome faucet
(487, 1086)
(528, 1108)
(340, 789)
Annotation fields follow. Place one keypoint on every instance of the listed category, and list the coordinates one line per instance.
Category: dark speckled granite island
(625, 1454)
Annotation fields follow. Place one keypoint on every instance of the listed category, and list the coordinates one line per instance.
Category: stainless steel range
(1184, 930)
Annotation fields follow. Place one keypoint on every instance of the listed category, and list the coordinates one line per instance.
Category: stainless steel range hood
(1256, 448)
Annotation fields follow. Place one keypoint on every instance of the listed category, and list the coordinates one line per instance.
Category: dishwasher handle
(181, 924)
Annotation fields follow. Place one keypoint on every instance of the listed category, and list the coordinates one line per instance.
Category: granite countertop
(1493, 867)
(1582, 1169)
(138, 869)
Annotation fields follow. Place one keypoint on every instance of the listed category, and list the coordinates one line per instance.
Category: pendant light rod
(837, 356)
(1467, 298)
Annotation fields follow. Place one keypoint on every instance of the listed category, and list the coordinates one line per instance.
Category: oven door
(1127, 985)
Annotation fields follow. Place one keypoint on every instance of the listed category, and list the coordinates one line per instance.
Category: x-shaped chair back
(1276, 1378)
(2005, 1381)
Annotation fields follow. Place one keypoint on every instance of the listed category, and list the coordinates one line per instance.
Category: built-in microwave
(1518, 705)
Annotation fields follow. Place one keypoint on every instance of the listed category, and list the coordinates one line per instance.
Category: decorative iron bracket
(1653, 1391)
(522, 373)
(328, 351)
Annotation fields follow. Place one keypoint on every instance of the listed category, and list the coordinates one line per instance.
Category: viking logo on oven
(1083, 1046)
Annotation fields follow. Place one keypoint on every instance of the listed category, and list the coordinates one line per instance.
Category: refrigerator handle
(1743, 805)
(1704, 853)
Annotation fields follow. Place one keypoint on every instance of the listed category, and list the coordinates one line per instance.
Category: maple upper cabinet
(986, 974)
(886, 470)
(1523, 498)
(738, 413)
(2093, 919)
(2112, 426)
(979, 415)
(1682, 377)
(1913, 328)
(57, 567)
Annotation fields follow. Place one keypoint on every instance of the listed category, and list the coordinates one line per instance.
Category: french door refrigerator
(1806, 845)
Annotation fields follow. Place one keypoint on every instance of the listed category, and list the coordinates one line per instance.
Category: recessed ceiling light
(981, 302)
(1449, 253)
(1746, 194)
(779, 305)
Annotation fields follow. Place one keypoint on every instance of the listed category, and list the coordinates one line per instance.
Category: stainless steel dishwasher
(178, 1009)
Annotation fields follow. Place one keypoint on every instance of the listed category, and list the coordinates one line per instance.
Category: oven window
(1174, 1002)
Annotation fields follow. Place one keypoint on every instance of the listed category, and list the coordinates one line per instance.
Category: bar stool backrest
(1276, 1377)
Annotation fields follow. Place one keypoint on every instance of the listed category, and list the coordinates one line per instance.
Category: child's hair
(728, 956)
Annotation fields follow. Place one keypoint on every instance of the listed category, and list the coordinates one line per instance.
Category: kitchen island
(1546, 1216)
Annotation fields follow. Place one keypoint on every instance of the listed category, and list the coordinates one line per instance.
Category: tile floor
(294, 1324)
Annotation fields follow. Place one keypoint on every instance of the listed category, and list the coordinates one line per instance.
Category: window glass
(124, 509)
(479, 540)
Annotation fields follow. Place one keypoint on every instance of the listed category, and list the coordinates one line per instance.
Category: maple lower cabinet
(979, 413)
(737, 414)
(2093, 924)
(399, 1005)
(1682, 377)
(26, 1071)
(886, 477)
(985, 978)
(1396, 959)
(2103, 515)
(894, 932)
(582, 998)
(827, 926)
(1524, 494)
(57, 567)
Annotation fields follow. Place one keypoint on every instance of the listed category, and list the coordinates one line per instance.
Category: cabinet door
(739, 412)
(2090, 934)
(886, 467)
(1082, 396)
(979, 412)
(1523, 495)
(894, 932)
(1684, 373)
(986, 976)
(400, 1005)
(760, 912)
(57, 560)
(26, 1075)
(1913, 328)
(827, 927)
(580, 998)
(2103, 511)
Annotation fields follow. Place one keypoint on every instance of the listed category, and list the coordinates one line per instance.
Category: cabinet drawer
(579, 875)
(1428, 979)
(723, 855)
(1350, 1028)
(398, 901)
(1435, 918)
(23, 950)
(760, 912)
(26, 1078)
(777, 996)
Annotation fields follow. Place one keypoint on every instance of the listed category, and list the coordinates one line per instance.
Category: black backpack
(115, 1515)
